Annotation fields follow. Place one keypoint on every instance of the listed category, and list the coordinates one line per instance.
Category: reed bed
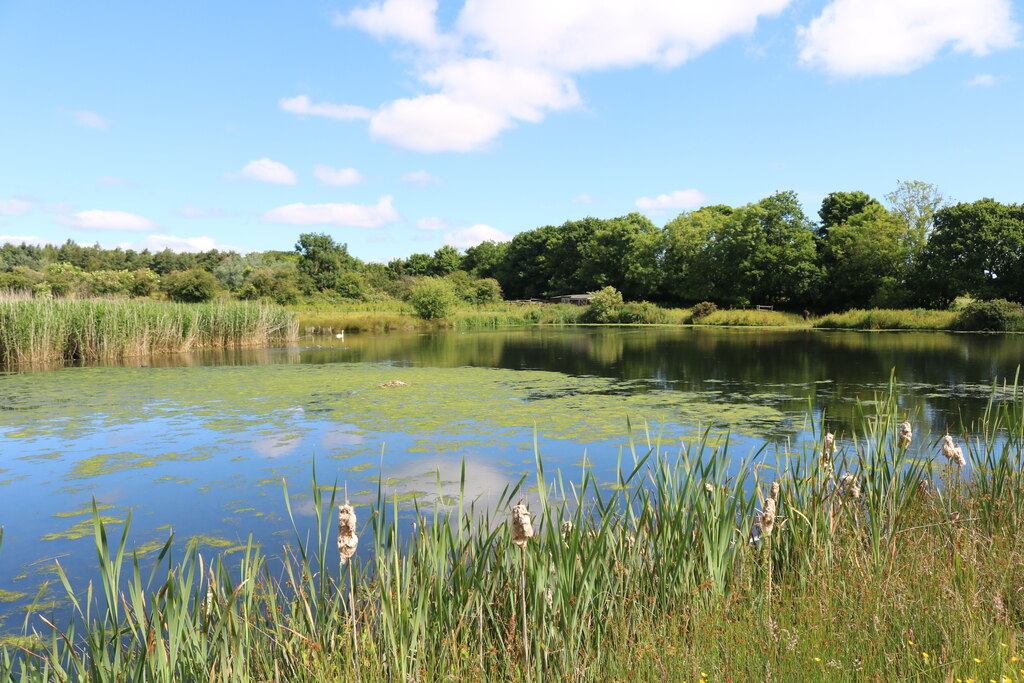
(752, 318)
(60, 330)
(888, 319)
(876, 560)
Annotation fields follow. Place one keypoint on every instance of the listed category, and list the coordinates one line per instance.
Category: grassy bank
(672, 572)
(55, 330)
(889, 319)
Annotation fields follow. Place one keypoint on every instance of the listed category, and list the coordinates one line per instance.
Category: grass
(752, 318)
(888, 319)
(63, 330)
(662, 576)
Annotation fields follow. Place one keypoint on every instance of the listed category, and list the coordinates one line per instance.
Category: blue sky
(398, 126)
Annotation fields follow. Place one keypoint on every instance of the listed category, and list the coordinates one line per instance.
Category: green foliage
(887, 319)
(604, 305)
(433, 298)
(994, 315)
(704, 309)
(351, 285)
(838, 207)
(190, 286)
(486, 291)
(323, 260)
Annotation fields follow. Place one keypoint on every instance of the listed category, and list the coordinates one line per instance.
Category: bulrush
(906, 435)
(522, 529)
(828, 447)
(954, 453)
(768, 517)
(851, 486)
(347, 539)
(566, 529)
(773, 491)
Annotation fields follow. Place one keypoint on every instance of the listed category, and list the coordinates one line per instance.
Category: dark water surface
(200, 443)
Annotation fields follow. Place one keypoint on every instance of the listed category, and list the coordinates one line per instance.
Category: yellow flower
(977, 661)
(925, 655)
(817, 659)
(910, 642)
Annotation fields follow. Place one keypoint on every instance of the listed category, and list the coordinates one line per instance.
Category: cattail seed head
(773, 491)
(906, 435)
(709, 487)
(851, 486)
(768, 517)
(347, 539)
(522, 529)
(828, 446)
(567, 528)
(954, 453)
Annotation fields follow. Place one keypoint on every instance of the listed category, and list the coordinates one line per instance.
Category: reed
(888, 319)
(660, 571)
(62, 330)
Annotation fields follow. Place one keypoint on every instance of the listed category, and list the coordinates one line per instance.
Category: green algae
(82, 529)
(11, 596)
(87, 510)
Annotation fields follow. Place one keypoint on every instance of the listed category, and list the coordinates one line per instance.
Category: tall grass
(752, 318)
(663, 570)
(888, 319)
(49, 330)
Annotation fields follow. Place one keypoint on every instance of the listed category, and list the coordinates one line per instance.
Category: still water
(202, 444)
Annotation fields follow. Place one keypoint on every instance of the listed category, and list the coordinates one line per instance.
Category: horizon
(397, 127)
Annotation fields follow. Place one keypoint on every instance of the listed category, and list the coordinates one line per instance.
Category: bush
(641, 313)
(994, 315)
(604, 305)
(190, 286)
(351, 285)
(433, 298)
(486, 291)
(703, 309)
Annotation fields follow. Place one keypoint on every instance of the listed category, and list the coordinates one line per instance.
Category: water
(201, 443)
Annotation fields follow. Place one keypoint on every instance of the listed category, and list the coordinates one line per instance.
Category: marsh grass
(752, 318)
(64, 330)
(888, 319)
(660, 575)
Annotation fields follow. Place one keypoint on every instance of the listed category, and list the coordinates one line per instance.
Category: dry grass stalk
(522, 528)
(953, 453)
(906, 435)
(347, 539)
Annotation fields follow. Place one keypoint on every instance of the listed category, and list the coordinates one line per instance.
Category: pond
(201, 443)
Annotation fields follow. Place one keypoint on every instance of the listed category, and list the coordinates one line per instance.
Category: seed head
(954, 453)
(567, 527)
(828, 445)
(347, 539)
(906, 435)
(851, 486)
(768, 517)
(773, 491)
(522, 529)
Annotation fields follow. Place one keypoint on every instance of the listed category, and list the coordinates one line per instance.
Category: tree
(837, 208)
(323, 260)
(483, 259)
(433, 298)
(975, 249)
(689, 268)
(864, 258)
(190, 286)
(915, 203)
(445, 260)
(625, 253)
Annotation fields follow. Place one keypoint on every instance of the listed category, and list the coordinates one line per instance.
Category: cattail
(566, 529)
(954, 453)
(768, 517)
(773, 491)
(522, 529)
(906, 435)
(851, 485)
(709, 487)
(829, 445)
(347, 539)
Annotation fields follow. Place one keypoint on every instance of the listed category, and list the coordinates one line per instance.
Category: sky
(399, 126)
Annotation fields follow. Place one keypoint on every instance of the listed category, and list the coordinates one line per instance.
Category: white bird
(340, 335)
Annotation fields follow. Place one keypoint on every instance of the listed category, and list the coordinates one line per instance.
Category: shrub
(433, 298)
(995, 315)
(641, 313)
(143, 282)
(486, 291)
(351, 285)
(604, 305)
(704, 309)
(190, 286)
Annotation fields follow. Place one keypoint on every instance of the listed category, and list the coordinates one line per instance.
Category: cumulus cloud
(25, 239)
(193, 212)
(337, 177)
(505, 63)
(352, 215)
(266, 171)
(108, 220)
(159, 242)
(88, 119)
(982, 81)
(877, 37)
(302, 106)
(680, 199)
(421, 179)
(465, 238)
(14, 207)
(432, 223)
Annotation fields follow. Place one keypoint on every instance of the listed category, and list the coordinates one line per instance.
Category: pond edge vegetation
(883, 558)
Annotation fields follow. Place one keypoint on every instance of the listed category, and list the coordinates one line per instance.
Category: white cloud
(108, 220)
(422, 179)
(432, 223)
(353, 215)
(88, 119)
(201, 212)
(302, 106)
(522, 57)
(14, 207)
(876, 37)
(583, 199)
(159, 242)
(25, 239)
(465, 238)
(982, 81)
(267, 171)
(680, 199)
(412, 21)
(337, 177)
(111, 181)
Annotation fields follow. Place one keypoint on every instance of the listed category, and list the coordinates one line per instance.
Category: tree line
(916, 249)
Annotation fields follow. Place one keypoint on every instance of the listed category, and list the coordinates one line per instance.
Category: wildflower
(817, 659)
(977, 661)
(954, 453)
(347, 539)
(522, 529)
(906, 435)
(925, 655)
